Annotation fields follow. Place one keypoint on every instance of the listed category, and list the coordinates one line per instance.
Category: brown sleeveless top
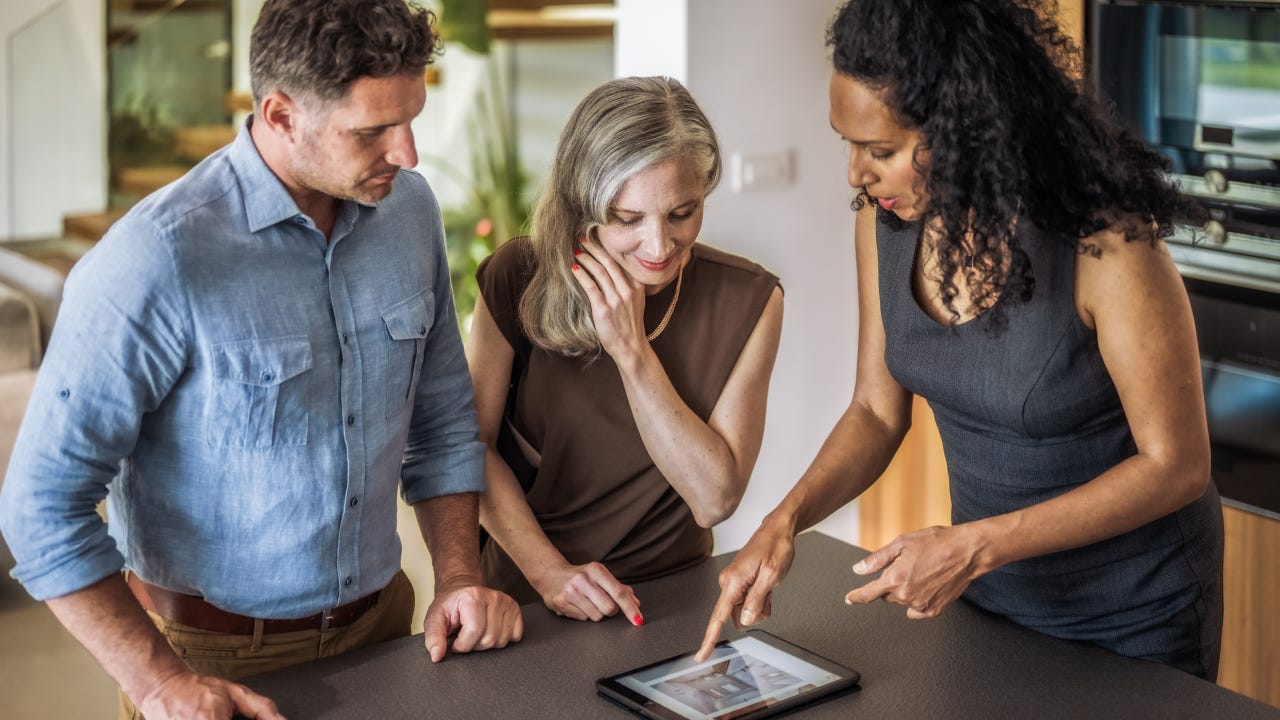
(595, 491)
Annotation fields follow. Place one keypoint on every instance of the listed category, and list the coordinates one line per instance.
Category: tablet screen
(743, 678)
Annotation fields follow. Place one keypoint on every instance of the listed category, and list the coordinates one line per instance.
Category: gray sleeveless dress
(1027, 414)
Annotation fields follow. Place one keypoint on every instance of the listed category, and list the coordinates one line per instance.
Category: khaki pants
(238, 656)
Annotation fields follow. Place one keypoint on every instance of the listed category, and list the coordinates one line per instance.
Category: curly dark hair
(1010, 130)
(318, 48)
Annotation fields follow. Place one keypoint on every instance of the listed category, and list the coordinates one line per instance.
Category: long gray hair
(620, 128)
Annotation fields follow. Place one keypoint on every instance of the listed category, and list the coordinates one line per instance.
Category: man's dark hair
(318, 48)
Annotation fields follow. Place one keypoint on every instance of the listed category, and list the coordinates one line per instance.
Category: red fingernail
(638, 620)
(576, 253)
(574, 266)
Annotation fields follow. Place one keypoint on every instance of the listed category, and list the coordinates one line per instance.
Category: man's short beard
(308, 171)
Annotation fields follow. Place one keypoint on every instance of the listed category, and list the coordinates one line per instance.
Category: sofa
(30, 293)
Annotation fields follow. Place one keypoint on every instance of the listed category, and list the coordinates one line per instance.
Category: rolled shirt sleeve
(444, 454)
(118, 347)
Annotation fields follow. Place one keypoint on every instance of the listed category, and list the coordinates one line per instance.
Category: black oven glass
(1239, 334)
(1201, 83)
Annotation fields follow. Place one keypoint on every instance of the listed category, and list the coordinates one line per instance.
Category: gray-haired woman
(621, 368)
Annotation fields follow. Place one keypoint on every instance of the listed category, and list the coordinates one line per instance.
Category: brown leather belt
(194, 611)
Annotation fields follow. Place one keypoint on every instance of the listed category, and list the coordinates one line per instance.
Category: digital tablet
(756, 676)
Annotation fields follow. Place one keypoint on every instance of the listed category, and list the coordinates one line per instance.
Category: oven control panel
(1239, 244)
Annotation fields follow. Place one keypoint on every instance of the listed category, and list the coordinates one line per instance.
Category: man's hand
(113, 627)
(482, 619)
(188, 696)
(746, 585)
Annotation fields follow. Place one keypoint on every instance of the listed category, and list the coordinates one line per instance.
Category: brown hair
(315, 49)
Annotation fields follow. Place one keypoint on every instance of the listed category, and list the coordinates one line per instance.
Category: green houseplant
(497, 206)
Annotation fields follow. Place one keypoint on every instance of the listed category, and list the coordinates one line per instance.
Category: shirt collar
(266, 201)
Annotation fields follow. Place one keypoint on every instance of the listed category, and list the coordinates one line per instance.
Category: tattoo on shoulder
(1090, 249)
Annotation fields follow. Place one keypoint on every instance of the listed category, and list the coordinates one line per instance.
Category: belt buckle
(326, 618)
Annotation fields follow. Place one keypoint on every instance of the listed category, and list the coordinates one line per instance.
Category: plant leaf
(465, 21)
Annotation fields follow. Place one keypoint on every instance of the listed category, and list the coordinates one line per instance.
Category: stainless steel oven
(1239, 332)
(1201, 82)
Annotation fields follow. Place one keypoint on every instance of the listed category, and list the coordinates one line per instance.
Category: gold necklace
(670, 308)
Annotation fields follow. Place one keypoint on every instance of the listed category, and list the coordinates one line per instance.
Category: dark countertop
(964, 664)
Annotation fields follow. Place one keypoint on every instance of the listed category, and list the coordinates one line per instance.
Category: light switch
(764, 170)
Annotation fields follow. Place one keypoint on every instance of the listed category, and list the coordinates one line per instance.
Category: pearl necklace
(670, 308)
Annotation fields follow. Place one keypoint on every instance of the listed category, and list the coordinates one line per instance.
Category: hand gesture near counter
(586, 592)
(852, 457)
(481, 617)
(189, 696)
(107, 619)
(925, 570)
(746, 585)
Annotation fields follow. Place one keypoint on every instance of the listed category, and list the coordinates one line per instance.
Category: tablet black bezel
(614, 691)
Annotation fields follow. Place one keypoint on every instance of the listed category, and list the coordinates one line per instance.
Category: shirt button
(300, 220)
(266, 377)
(422, 329)
(355, 501)
(347, 582)
(351, 419)
(344, 338)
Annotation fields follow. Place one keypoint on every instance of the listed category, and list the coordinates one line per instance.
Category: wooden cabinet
(1251, 617)
(912, 493)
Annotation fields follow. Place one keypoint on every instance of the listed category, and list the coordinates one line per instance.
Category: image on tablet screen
(737, 679)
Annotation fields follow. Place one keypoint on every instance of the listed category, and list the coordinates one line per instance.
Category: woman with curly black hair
(1011, 270)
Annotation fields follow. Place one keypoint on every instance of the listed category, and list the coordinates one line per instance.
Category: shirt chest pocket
(408, 323)
(260, 394)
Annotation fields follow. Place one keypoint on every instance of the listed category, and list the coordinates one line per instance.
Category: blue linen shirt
(247, 395)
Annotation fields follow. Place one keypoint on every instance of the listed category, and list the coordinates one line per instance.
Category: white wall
(244, 13)
(651, 37)
(549, 79)
(52, 113)
(759, 70)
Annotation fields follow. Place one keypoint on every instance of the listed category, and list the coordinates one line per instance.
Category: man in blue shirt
(251, 361)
